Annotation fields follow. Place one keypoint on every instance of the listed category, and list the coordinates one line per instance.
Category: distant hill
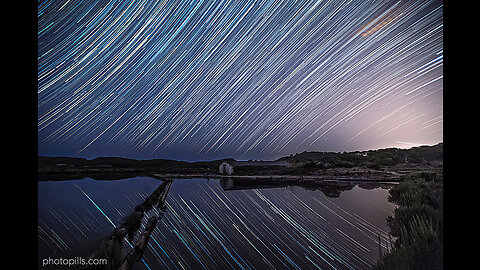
(370, 158)
(300, 164)
(119, 164)
(104, 161)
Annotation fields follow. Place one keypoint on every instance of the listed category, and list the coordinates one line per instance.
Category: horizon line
(413, 145)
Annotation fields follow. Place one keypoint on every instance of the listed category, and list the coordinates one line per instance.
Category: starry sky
(202, 80)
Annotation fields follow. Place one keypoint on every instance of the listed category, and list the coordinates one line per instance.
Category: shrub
(418, 225)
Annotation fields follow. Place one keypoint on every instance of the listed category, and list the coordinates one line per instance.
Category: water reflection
(112, 246)
(331, 189)
(216, 224)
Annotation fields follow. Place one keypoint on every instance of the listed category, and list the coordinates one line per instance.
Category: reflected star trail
(206, 227)
(245, 79)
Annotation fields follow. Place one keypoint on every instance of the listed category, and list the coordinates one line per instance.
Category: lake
(219, 224)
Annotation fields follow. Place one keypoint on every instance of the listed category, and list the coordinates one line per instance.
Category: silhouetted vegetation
(372, 158)
(417, 224)
(366, 164)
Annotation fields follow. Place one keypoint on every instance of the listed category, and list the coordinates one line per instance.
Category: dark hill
(306, 163)
(372, 158)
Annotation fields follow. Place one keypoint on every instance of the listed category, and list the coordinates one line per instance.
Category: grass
(417, 224)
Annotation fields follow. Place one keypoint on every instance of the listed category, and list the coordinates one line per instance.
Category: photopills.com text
(73, 261)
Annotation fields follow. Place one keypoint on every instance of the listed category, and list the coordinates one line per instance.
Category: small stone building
(225, 168)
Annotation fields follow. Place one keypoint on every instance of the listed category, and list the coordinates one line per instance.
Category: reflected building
(331, 189)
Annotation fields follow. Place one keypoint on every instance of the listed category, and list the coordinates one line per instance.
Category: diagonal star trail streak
(211, 224)
(250, 79)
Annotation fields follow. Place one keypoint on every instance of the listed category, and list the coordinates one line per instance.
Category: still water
(215, 224)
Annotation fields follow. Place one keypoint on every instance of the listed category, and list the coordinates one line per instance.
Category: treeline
(417, 224)
(301, 164)
(371, 159)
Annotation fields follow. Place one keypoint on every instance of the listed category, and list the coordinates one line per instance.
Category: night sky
(202, 80)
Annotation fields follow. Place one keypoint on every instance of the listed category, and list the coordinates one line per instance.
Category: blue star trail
(206, 227)
(197, 80)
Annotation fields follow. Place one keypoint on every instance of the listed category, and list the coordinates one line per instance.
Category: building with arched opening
(225, 168)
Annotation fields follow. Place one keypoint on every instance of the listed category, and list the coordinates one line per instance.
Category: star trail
(197, 80)
(206, 227)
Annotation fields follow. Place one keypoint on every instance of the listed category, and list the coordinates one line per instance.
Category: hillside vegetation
(371, 158)
(417, 224)
(306, 163)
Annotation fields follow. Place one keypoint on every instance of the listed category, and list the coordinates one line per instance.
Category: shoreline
(283, 178)
(118, 175)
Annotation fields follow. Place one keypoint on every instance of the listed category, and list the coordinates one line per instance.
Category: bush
(418, 225)
(344, 164)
